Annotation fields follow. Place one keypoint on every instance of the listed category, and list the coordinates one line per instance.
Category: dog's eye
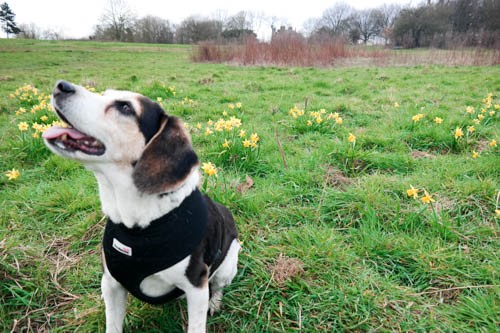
(124, 108)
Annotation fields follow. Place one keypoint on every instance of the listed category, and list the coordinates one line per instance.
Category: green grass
(370, 257)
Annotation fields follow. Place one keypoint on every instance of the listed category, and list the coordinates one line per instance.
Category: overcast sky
(76, 18)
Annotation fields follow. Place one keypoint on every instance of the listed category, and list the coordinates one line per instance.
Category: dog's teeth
(64, 137)
(60, 145)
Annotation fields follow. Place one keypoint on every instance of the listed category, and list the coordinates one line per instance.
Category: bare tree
(366, 24)
(29, 31)
(116, 22)
(152, 29)
(389, 14)
(193, 30)
(238, 22)
(335, 20)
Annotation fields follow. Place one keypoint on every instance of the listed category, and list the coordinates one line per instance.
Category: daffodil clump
(468, 133)
(209, 173)
(231, 144)
(426, 198)
(34, 114)
(477, 119)
(319, 120)
(161, 93)
(420, 194)
(209, 169)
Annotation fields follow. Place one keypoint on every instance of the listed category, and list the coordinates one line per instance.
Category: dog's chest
(135, 256)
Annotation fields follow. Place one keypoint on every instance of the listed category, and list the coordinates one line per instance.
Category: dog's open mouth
(70, 139)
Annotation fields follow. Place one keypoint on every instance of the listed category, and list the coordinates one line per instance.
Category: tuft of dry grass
(286, 268)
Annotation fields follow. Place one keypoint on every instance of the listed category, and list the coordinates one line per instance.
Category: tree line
(438, 23)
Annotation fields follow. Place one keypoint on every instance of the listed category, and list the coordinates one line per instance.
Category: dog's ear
(167, 159)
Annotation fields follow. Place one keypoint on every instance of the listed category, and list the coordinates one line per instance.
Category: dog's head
(125, 129)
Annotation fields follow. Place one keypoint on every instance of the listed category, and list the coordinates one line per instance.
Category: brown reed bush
(287, 50)
(295, 50)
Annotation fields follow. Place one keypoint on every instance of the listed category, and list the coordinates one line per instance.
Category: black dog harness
(134, 254)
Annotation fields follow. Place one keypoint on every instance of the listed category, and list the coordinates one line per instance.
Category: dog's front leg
(197, 304)
(115, 301)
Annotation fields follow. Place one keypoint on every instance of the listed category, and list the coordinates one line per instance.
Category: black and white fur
(145, 166)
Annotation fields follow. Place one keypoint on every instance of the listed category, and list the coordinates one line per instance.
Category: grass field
(358, 208)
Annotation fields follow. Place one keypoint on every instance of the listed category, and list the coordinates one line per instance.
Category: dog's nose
(63, 87)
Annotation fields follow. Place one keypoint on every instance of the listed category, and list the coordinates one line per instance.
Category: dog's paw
(215, 302)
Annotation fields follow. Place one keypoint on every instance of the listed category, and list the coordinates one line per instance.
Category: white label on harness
(122, 248)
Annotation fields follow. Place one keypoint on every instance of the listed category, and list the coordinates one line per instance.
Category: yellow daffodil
(412, 192)
(13, 174)
(242, 134)
(209, 168)
(492, 143)
(471, 129)
(231, 106)
(295, 112)
(331, 116)
(497, 213)
(309, 123)
(23, 126)
(247, 143)
(198, 125)
(219, 125)
(480, 116)
(497, 106)
(208, 131)
(44, 118)
(59, 123)
(470, 110)
(492, 113)
(37, 127)
(458, 133)
(238, 105)
(226, 143)
(396, 104)
(351, 138)
(235, 122)
(475, 154)
(159, 99)
(427, 198)
(254, 138)
(224, 113)
(338, 120)
(438, 120)
(417, 117)
(228, 126)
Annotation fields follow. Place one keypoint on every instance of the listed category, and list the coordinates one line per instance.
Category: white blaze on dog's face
(122, 128)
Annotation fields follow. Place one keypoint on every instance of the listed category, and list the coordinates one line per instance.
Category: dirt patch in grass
(482, 145)
(418, 154)
(286, 268)
(336, 178)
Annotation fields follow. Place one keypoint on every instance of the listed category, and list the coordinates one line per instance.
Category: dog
(163, 238)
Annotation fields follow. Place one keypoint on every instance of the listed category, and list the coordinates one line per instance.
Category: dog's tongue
(56, 132)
